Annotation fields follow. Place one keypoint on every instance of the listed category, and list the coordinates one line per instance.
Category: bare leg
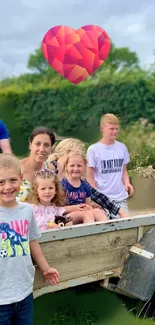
(99, 215)
(88, 217)
(82, 217)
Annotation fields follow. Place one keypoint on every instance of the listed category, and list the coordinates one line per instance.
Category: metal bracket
(141, 252)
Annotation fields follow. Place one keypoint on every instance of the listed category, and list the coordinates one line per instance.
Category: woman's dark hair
(42, 130)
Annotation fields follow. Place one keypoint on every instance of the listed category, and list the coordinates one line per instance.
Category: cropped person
(4, 139)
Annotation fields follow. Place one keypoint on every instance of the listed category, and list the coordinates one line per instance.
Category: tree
(37, 62)
(118, 59)
(151, 71)
(121, 57)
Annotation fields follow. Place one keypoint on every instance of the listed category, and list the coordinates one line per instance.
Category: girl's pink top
(44, 214)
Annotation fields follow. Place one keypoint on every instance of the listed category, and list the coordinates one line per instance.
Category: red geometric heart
(76, 54)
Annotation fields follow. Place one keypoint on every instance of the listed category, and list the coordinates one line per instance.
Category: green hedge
(76, 109)
(17, 137)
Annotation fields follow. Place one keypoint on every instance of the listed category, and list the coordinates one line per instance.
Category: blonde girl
(48, 199)
(77, 190)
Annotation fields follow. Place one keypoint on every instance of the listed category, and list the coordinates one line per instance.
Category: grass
(141, 310)
(68, 315)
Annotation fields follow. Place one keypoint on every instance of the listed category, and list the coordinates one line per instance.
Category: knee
(97, 210)
(89, 216)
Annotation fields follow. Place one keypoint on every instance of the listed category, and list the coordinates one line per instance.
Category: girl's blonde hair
(65, 146)
(73, 154)
(59, 198)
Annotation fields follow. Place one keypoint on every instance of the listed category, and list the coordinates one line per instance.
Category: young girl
(77, 190)
(48, 199)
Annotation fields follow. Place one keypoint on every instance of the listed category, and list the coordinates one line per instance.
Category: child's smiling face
(75, 167)
(10, 182)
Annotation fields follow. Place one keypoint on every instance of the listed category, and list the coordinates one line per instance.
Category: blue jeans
(20, 313)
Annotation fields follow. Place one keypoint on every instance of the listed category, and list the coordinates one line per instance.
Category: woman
(40, 144)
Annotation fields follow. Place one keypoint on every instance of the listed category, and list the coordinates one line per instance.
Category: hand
(86, 207)
(129, 188)
(52, 275)
(83, 207)
(122, 214)
(96, 206)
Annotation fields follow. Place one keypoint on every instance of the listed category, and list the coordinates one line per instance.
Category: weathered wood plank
(72, 283)
(83, 256)
(87, 253)
(69, 271)
(97, 228)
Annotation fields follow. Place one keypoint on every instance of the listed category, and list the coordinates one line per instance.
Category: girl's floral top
(25, 189)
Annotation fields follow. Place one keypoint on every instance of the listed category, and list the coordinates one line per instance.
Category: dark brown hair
(42, 130)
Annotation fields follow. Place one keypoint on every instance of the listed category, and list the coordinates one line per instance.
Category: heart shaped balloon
(76, 54)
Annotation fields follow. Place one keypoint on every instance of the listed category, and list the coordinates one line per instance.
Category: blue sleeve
(87, 189)
(3, 131)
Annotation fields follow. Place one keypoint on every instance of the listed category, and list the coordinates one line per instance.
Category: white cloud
(23, 24)
(135, 28)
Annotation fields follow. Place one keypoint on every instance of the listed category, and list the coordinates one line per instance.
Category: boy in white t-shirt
(107, 164)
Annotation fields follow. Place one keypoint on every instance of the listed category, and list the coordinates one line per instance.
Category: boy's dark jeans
(20, 313)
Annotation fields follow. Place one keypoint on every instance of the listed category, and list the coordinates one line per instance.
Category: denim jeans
(20, 313)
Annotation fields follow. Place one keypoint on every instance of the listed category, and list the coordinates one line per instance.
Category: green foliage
(18, 141)
(140, 140)
(71, 109)
(138, 136)
(118, 58)
(45, 98)
(69, 315)
(37, 61)
(76, 110)
(143, 158)
(23, 80)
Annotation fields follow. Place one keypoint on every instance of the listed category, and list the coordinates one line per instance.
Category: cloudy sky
(23, 24)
